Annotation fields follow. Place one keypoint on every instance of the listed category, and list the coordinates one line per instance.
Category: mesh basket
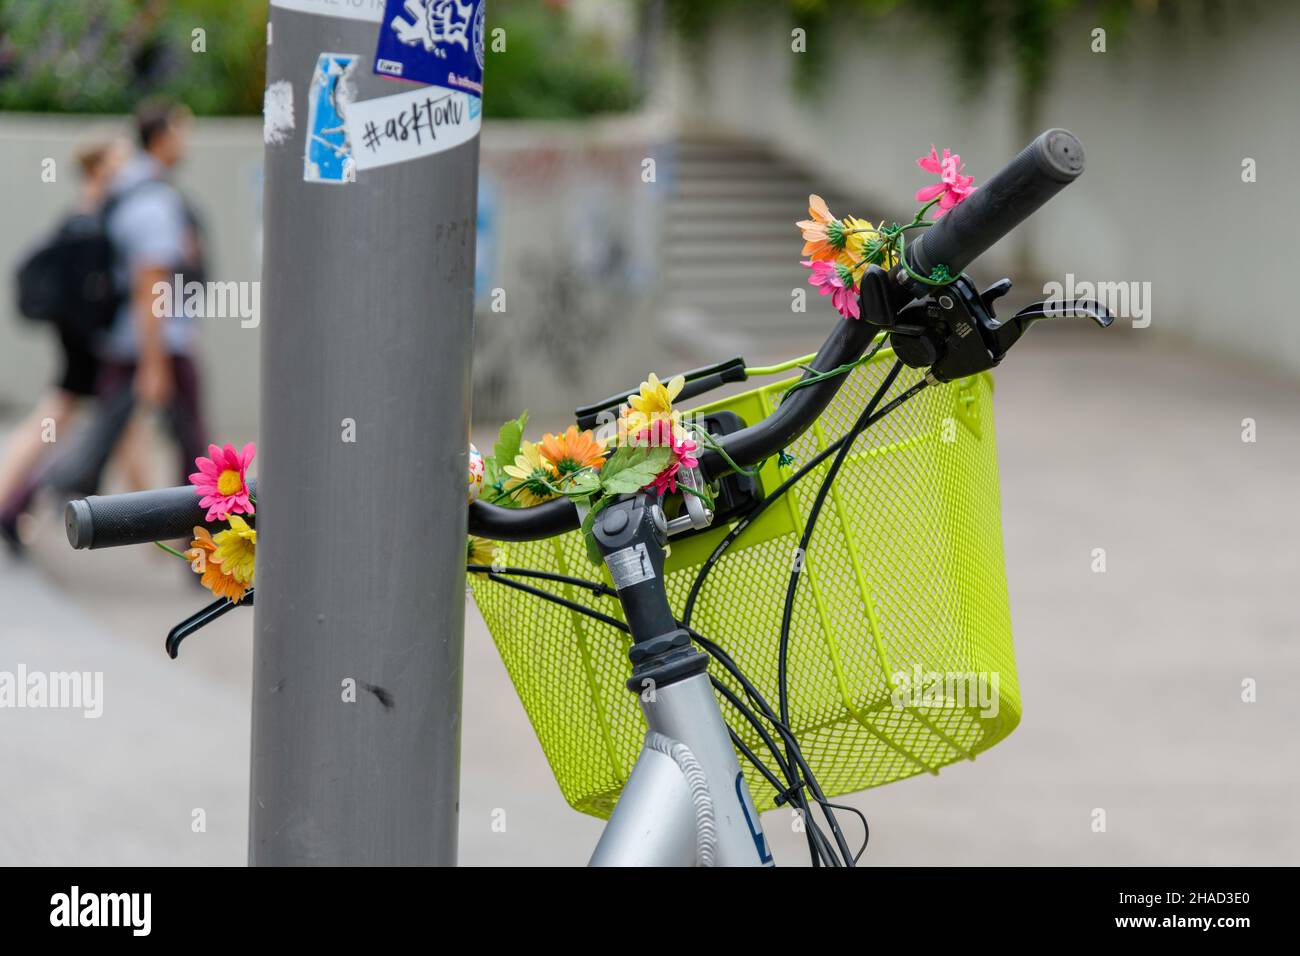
(903, 576)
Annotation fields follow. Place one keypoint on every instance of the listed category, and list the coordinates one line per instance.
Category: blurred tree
(102, 56)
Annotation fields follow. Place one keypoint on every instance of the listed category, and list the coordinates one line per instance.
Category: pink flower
(222, 481)
(953, 187)
(836, 281)
(661, 433)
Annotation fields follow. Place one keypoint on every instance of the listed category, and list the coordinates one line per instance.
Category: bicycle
(686, 800)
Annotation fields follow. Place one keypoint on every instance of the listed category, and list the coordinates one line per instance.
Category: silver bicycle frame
(686, 802)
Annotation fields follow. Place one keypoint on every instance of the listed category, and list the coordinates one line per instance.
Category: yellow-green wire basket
(900, 654)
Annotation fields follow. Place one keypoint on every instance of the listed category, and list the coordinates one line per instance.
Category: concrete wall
(1167, 117)
(568, 235)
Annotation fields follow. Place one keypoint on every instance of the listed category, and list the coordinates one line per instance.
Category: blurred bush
(102, 56)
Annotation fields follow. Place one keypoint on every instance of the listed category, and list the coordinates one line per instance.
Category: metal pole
(366, 338)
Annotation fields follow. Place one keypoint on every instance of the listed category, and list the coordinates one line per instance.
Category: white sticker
(277, 113)
(372, 10)
(411, 125)
(630, 566)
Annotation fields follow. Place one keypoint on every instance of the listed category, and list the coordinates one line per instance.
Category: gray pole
(367, 319)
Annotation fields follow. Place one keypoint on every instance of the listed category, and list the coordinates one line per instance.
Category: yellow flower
(236, 549)
(481, 551)
(859, 245)
(213, 576)
(529, 476)
(573, 451)
(653, 403)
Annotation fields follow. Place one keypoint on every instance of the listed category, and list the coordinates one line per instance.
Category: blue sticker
(328, 154)
(439, 42)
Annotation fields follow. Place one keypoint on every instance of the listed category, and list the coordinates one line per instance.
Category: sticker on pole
(412, 125)
(439, 42)
(327, 156)
(630, 566)
(371, 10)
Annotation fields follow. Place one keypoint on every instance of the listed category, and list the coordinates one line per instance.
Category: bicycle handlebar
(138, 517)
(1045, 167)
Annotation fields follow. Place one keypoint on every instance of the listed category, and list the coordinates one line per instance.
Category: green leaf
(633, 470)
(507, 448)
(597, 505)
(593, 549)
(509, 439)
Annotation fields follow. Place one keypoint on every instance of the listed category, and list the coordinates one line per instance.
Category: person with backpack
(145, 352)
(62, 284)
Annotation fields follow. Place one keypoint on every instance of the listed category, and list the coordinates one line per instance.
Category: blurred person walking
(146, 356)
(98, 162)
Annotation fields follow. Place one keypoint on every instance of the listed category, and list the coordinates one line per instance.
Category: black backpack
(70, 280)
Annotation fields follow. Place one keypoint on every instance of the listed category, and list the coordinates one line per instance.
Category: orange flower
(573, 451)
(823, 234)
(201, 552)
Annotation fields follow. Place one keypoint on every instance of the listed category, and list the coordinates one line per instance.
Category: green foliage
(548, 70)
(106, 55)
(979, 32)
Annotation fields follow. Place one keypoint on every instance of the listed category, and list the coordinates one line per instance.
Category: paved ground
(1131, 679)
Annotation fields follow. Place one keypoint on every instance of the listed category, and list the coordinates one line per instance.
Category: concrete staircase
(731, 249)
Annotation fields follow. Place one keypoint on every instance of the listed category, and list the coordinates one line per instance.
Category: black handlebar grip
(110, 521)
(1045, 167)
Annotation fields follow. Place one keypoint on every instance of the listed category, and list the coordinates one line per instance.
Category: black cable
(596, 587)
(798, 764)
(783, 646)
(866, 828)
(746, 520)
(499, 577)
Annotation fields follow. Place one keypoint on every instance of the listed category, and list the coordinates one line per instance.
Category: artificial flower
(663, 433)
(863, 246)
(213, 576)
(481, 551)
(573, 451)
(652, 404)
(222, 481)
(837, 281)
(530, 476)
(823, 234)
(236, 550)
(475, 472)
(952, 187)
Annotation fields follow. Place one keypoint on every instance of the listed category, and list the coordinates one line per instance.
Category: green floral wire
(844, 369)
(713, 445)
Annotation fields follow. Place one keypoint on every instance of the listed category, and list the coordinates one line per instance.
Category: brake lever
(1053, 309)
(201, 619)
(955, 333)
